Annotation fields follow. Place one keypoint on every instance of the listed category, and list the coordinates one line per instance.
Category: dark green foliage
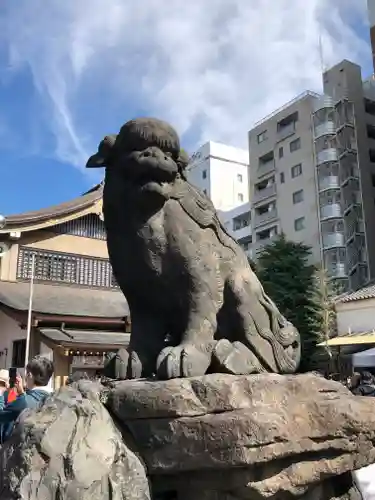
(290, 280)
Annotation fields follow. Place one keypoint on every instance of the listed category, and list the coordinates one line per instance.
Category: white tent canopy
(364, 359)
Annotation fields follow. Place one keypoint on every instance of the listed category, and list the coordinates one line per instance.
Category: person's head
(39, 371)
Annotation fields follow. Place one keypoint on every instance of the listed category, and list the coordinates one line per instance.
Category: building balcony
(337, 270)
(260, 219)
(286, 131)
(323, 102)
(327, 155)
(331, 182)
(326, 128)
(265, 168)
(330, 211)
(242, 232)
(332, 240)
(263, 194)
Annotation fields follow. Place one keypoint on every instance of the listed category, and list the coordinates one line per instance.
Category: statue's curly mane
(145, 132)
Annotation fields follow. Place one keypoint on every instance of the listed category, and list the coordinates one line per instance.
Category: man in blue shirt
(31, 395)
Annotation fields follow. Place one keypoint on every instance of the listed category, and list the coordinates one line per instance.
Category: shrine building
(78, 313)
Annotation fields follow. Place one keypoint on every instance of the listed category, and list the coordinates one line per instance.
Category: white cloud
(211, 67)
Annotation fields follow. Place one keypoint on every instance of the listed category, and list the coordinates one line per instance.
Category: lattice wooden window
(89, 226)
(65, 268)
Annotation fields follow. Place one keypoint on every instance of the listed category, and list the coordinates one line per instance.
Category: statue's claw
(135, 368)
(182, 361)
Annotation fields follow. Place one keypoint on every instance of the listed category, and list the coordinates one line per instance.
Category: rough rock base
(218, 437)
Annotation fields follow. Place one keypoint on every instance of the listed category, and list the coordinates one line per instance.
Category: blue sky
(73, 71)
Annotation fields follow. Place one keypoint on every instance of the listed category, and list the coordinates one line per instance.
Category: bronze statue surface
(196, 305)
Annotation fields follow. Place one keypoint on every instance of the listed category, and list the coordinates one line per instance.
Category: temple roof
(64, 300)
(87, 337)
(45, 217)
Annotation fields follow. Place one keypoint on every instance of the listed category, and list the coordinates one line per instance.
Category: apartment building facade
(371, 18)
(221, 172)
(238, 224)
(312, 175)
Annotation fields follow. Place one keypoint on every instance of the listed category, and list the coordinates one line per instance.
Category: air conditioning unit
(4, 247)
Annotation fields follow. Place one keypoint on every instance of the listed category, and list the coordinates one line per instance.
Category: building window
(281, 152)
(19, 353)
(295, 145)
(373, 180)
(204, 174)
(66, 268)
(262, 136)
(299, 224)
(282, 177)
(240, 197)
(298, 196)
(90, 226)
(239, 177)
(296, 170)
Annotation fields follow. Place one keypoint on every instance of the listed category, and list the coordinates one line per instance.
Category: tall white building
(221, 171)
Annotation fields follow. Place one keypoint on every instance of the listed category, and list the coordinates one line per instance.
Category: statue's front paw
(182, 361)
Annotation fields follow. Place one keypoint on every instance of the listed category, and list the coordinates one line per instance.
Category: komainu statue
(196, 305)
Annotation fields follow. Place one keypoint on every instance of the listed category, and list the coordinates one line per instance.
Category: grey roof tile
(367, 292)
(64, 300)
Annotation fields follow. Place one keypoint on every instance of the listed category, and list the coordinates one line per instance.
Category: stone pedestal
(218, 437)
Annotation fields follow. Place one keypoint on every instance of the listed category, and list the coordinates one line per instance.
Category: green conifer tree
(291, 281)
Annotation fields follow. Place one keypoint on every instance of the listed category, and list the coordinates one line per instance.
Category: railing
(260, 219)
(265, 168)
(348, 173)
(337, 270)
(326, 128)
(326, 155)
(330, 211)
(323, 101)
(89, 226)
(331, 182)
(263, 194)
(65, 268)
(332, 240)
(303, 95)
